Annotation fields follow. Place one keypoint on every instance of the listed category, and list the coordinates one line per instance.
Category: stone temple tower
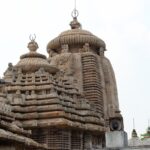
(80, 55)
(68, 100)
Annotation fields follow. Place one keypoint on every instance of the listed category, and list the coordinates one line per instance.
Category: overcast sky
(123, 24)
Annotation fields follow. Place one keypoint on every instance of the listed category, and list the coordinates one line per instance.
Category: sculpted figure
(65, 48)
(52, 53)
(9, 69)
(40, 71)
(64, 60)
(101, 51)
(86, 47)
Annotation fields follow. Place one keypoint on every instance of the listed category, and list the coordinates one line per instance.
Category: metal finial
(74, 23)
(32, 37)
(75, 12)
(133, 124)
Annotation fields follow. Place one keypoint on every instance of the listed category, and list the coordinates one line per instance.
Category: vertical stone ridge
(92, 81)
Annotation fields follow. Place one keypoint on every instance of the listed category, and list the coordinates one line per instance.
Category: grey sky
(123, 24)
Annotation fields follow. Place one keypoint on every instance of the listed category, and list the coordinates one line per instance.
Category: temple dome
(33, 61)
(75, 36)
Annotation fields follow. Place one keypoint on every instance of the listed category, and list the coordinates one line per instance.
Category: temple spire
(134, 133)
(75, 13)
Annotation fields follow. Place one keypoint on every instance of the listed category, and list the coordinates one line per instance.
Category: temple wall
(3, 147)
(10, 147)
(66, 139)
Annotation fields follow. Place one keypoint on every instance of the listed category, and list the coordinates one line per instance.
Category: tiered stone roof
(10, 129)
(42, 96)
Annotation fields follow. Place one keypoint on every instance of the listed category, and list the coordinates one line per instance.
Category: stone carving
(86, 47)
(64, 63)
(40, 71)
(9, 70)
(33, 46)
(65, 48)
(19, 71)
(52, 53)
(101, 51)
(10, 73)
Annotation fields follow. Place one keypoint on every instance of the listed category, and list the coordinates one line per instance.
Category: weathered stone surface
(116, 139)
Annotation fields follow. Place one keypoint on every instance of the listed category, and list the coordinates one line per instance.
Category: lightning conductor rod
(75, 12)
(133, 124)
(75, 4)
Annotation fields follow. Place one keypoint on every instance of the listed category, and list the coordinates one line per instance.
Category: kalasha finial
(75, 13)
(32, 45)
(75, 24)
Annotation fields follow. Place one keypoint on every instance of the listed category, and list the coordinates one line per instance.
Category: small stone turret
(11, 130)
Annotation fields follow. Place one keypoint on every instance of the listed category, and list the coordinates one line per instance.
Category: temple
(66, 101)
